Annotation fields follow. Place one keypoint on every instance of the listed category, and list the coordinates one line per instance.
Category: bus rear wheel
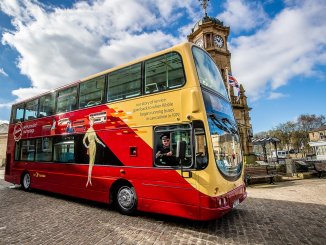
(126, 199)
(26, 181)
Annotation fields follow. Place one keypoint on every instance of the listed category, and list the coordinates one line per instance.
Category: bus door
(179, 151)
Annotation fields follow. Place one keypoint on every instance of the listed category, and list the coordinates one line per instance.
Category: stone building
(317, 139)
(3, 142)
(210, 34)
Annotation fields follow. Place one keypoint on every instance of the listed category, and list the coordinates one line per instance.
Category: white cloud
(291, 45)
(2, 72)
(31, 92)
(275, 95)
(6, 105)
(242, 15)
(59, 45)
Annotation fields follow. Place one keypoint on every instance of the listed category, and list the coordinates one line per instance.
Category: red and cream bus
(156, 135)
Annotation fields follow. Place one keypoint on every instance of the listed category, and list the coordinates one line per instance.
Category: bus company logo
(18, 131)
(38, 175)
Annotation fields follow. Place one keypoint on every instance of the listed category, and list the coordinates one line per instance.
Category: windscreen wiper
(218, 124)
(231, 126)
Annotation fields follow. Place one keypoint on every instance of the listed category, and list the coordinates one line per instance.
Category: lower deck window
(64, 151)
(44, 149)
(27, 150)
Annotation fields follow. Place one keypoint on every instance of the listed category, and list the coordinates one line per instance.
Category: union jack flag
(232, 81)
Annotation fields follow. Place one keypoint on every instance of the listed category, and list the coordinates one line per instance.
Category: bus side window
(44, 149)
(46, 107)
(64, 151)
(31, 110)
(124, 83)
(91, 92)
(166, 139)
(163, 73)
(67, 99)
(18, 113)
(27, 150)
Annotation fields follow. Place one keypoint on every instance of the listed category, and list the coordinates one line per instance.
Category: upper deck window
(18, 113)
(67, 100)
(164, 72)
(47, 103)
(124, 83)
(31, 110)
(91, 92)
(207, 71)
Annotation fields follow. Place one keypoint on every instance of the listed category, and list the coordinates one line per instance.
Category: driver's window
(166, 139)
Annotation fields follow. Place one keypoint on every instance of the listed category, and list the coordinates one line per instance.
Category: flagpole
(228, 83)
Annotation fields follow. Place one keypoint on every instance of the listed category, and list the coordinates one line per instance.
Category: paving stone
(270, 215)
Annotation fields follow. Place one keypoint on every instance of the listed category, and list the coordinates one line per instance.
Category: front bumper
(215, 207)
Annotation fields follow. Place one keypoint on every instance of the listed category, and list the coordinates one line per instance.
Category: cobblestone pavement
(286, 213)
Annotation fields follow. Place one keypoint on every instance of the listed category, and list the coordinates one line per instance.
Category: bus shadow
(255, 221)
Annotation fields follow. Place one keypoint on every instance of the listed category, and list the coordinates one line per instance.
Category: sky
(278, 47)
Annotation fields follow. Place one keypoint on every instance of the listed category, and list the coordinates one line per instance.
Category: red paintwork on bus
(158, 190)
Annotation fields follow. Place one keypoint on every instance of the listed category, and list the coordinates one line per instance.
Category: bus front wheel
(126, 199)
(26, 181)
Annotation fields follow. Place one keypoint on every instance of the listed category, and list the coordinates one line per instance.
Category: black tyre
(126, 199)
(26, 181)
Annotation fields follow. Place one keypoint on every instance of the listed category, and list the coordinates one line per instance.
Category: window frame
(14, 113)
(58, 94)
(42, 138)
(60, 139)
(121, 69)
(171, 130)
(54, 99)
(105, 89)
(37, 110)
(168, 88)
(21, 147)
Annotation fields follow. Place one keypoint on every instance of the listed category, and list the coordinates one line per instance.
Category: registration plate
(236, 203)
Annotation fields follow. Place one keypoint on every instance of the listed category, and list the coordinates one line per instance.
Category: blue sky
(278, 47)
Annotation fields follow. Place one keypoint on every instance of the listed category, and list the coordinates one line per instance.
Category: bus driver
(163, 152)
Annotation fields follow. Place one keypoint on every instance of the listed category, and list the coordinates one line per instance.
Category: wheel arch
(115, 187)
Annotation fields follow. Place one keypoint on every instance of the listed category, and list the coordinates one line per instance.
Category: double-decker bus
(157, 135)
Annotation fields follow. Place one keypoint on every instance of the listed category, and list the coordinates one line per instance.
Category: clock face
(218, 41)
(200, 42)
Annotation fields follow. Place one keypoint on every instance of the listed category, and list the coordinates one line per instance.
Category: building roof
(206, 19)
(322, 128)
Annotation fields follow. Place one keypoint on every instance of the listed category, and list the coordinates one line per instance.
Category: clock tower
(210, 34)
